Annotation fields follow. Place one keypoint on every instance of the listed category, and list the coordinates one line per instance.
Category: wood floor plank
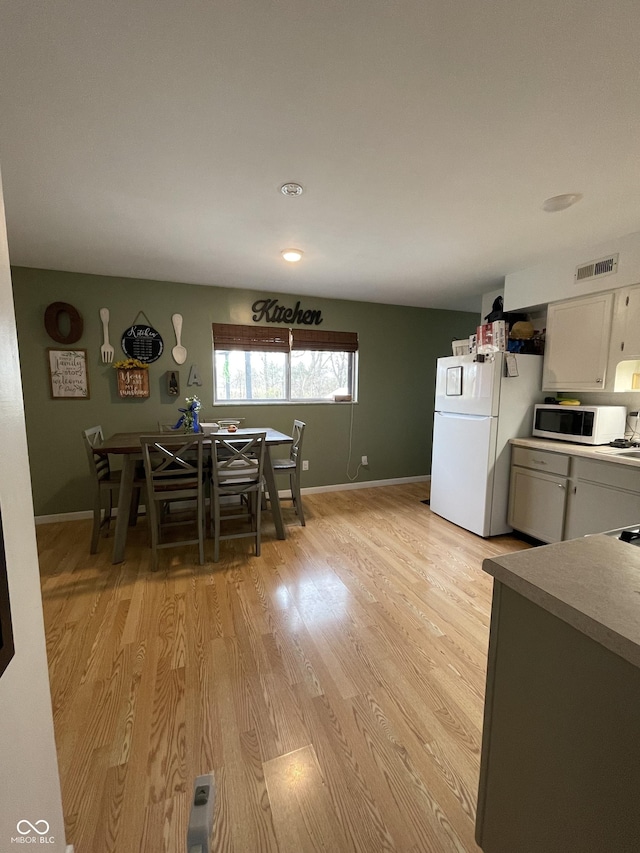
(240, 830)
(258, 796)
(305, 820)
(367, 813)
(334, 685)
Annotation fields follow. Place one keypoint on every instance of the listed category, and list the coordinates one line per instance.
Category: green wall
(392, 421)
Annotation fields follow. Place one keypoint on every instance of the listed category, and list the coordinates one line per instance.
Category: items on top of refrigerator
(504, 331)
(461, 347)
(498, 313)
(492, 337)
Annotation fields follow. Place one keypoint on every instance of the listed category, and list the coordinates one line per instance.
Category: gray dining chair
(292, 467)
(105, 482)
(174, 472)
(237, 471)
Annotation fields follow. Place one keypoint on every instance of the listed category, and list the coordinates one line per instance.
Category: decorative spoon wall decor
(179, 353)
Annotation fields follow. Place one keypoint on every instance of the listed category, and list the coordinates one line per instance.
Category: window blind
(325, 341)
(227, 336)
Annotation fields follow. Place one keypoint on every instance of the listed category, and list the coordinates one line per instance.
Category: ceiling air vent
(596, 269)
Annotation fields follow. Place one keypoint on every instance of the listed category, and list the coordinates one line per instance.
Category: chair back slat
(298, 435)
(171, 459)
(103, 469)
(98, 463)
(239, 459)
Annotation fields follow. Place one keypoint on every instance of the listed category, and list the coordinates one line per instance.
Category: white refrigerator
(478, 408)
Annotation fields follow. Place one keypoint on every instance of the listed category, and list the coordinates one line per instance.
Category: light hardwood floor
(334, 685)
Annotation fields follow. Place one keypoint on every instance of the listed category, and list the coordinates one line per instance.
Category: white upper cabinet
(625, 335)
(577, 343)
(624, 353)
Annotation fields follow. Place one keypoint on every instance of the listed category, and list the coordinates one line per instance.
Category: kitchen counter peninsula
(560, 763)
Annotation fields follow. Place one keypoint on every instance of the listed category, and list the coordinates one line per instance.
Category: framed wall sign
(68, 376)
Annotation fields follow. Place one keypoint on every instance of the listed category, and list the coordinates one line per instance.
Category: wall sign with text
(270, 311)
(68, 377)
(142, 341)
(133, 382)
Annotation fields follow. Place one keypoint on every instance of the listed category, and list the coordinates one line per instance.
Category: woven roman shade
(227, 336)
(311, 339)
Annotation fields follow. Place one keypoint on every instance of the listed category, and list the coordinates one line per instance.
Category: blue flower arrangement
(189, 419)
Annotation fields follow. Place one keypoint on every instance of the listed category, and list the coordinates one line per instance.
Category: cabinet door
(594, 508)
(625, 338)
(537, 504)
(577, 345)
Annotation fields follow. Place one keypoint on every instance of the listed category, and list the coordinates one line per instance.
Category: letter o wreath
(52, 322)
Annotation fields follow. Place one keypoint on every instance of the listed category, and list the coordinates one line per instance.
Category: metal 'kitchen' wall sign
(269, 311)
(142, 341)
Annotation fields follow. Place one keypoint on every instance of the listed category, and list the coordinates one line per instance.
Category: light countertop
(591, 583)
(599, 453)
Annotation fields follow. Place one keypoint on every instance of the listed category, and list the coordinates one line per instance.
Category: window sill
(237, 403)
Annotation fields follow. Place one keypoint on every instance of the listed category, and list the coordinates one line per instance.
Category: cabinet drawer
(540, 460)
(608, 474)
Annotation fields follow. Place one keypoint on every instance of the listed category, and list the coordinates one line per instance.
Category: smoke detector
(291, 189)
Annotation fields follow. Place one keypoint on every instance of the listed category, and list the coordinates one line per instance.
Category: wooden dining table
(127, 445)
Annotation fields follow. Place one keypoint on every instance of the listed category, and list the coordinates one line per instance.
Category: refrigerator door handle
(457, 415)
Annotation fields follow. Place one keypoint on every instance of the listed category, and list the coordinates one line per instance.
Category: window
(261, 364)
(322, 364)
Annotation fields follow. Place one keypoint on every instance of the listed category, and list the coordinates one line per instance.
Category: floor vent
(596, 269)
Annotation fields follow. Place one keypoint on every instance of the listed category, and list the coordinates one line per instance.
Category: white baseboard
(365, 484)
(311, 490)
(63, 516)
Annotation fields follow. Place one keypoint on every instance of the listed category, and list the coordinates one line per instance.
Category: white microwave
(582, 424)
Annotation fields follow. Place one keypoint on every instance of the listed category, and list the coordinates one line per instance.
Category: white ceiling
(150, 139)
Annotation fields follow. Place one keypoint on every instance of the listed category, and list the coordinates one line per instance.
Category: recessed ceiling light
(560, 202)
(291, 189)
(292, 255)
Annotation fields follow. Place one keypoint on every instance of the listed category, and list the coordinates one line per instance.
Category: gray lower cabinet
(603, 496)
(554, 496)
(538, 493)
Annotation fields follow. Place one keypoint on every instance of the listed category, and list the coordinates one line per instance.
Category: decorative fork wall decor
(106, 350)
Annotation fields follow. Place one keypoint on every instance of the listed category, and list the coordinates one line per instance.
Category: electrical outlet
(365, 460)
(305, 464)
